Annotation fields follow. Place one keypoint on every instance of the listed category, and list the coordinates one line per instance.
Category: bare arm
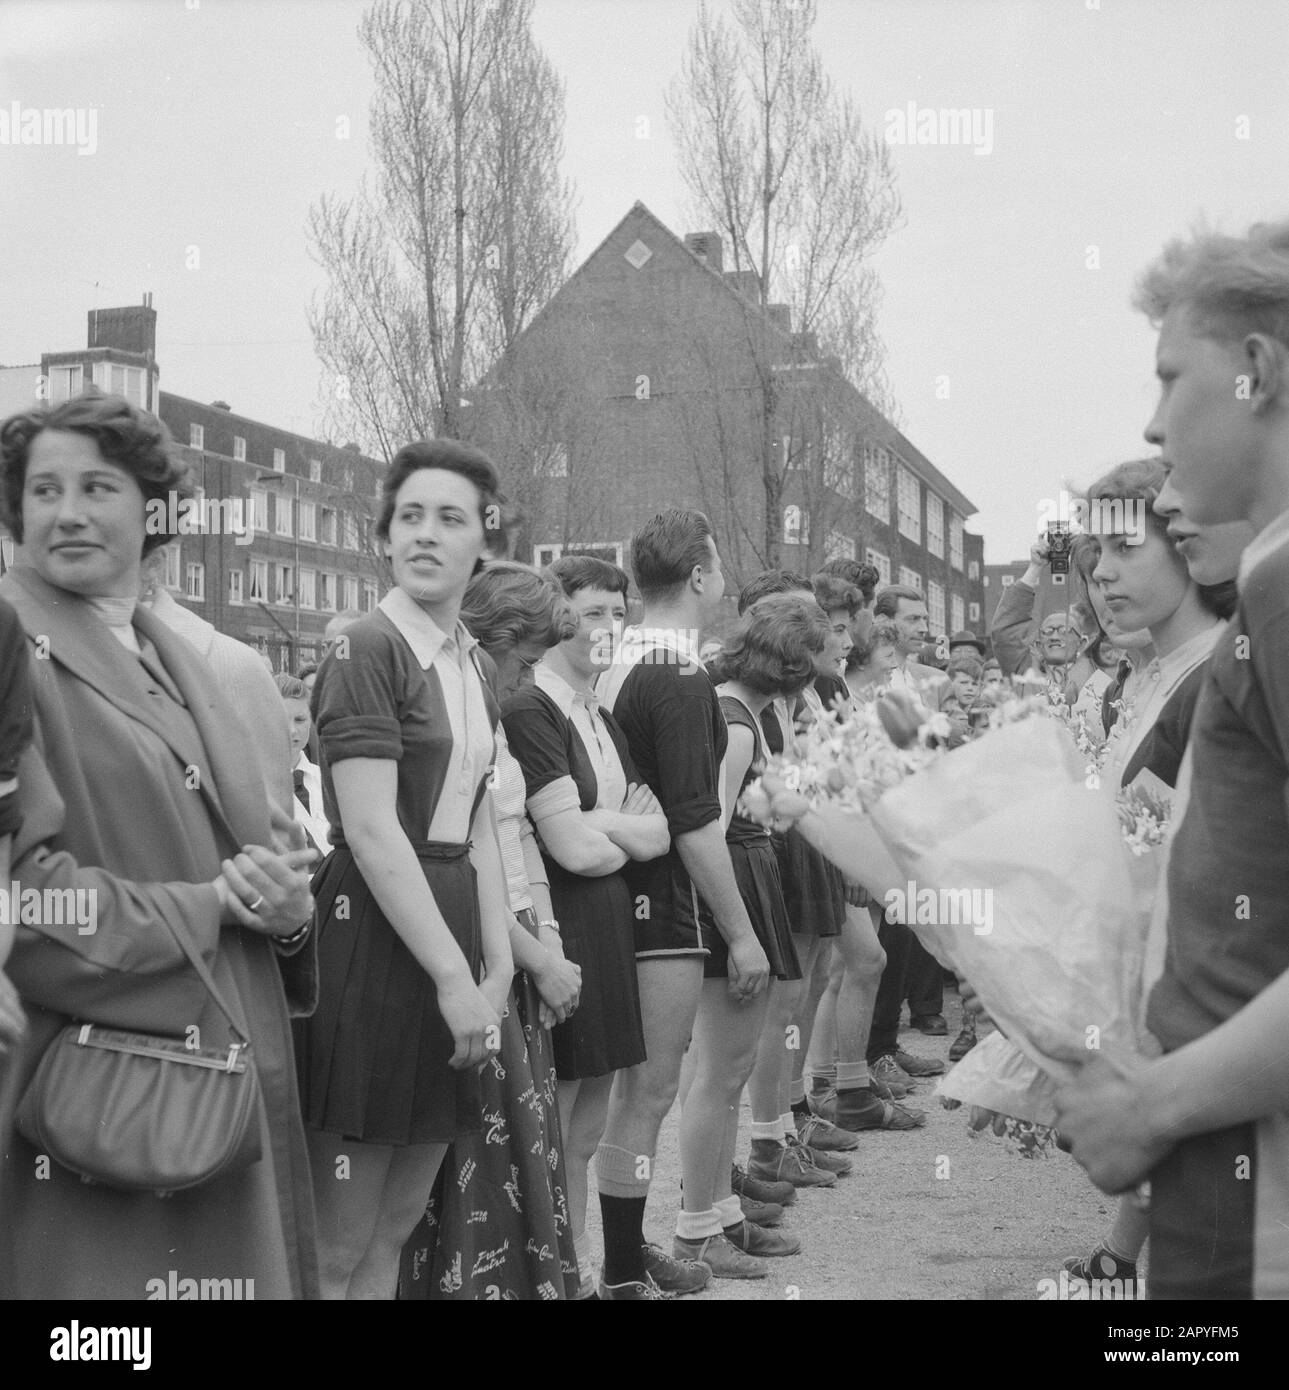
(494, 907)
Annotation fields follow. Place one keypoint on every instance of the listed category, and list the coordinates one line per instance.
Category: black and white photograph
(645, 657)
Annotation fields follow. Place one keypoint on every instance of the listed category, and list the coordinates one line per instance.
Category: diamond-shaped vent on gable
(637, 253)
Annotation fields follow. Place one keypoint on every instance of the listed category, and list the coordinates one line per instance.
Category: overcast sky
(1114, 125)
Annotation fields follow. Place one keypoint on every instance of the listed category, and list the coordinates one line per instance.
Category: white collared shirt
(1158, 679)
(472, 737)
(1263, 545)
(311, 817)
(583, 712)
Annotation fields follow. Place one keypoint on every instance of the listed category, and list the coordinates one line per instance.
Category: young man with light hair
(1208, 1123)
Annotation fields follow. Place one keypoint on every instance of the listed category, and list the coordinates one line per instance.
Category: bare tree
(442, 258)
(802, 193)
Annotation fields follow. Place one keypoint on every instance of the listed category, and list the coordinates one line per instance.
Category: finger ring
(256, 905)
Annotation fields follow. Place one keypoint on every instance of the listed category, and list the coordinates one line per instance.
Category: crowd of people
(481, 898)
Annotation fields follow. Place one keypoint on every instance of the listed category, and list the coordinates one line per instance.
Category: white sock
(698, 1225)
(731, 1213)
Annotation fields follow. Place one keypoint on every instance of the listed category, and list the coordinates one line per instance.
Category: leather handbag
(142, 1113)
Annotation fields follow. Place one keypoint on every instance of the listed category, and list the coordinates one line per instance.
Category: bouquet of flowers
(1011, 865)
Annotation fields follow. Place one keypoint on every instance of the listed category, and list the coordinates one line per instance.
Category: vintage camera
(1059, 542)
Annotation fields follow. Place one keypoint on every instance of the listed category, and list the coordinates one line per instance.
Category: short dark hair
(770, 582)
(507, 603)
(665, 550)
(1220, 599)
(773, 649)
(859, 573)
(291, 687)
(126, 436)
(495, 513)
(573, 573)
(966, 661)
(888, 601)
(833, 592)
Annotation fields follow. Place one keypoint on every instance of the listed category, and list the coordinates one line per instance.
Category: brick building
(653, 377)
(280, 532)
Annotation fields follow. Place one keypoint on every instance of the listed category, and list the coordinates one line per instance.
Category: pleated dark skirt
(813, 889)
(597, 927)
(756, 870)
(372, 1060)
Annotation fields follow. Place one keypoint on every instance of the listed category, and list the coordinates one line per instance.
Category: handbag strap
(207, 979)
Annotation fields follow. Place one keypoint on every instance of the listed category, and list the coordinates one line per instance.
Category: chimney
(221, 405)
(708, 247)
(131, 329)
(746, 283)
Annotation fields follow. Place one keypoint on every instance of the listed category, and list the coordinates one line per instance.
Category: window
(327, 592)
(839, 547)
(551, 463)
(260, 581)
(279, 460)
(328, 526)
(369, 596)
(796, 526)
(195, 588)
(308, 588)
(127, 382)
(910, 505)
(973, 570)
(347, 478)
(911, 578)
(935, 606)
(544, 555)
(349, 590)
(282, 515)
(794, 455)
(283, 584)
(315, 470)
(1008, 580)
(196, 436)
(974, 611)
(66, 382)
(239, 448)
(877, 482)
(934, 524)
(259, 510)
(236, 580)
(349, 532)
(306, 520)
(839, 470)
(881, 563)
(170, 571)
(955, 541)
(956, 613)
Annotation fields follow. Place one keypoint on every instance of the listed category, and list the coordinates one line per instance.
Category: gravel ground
(931, 1213)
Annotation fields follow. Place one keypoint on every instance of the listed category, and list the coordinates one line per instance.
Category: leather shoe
(933, 1025)
(918, 1066)
(755, 1241)
(725, 1259)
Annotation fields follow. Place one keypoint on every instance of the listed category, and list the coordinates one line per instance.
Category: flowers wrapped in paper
(1010, 864)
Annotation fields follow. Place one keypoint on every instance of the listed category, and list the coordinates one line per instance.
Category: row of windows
(263, 582)
(796, 531)
(197, 440)
(877, 501)
(324, 525)
(112, 378)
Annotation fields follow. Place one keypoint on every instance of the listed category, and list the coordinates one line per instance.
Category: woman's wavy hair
(496, 513)
(507, 604)
(883, 633)
(126, 436)
(774, 646)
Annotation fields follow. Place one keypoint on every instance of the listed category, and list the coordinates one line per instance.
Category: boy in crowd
(1208, 1123)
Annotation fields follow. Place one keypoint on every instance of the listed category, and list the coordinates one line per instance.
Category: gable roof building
(654, 378)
